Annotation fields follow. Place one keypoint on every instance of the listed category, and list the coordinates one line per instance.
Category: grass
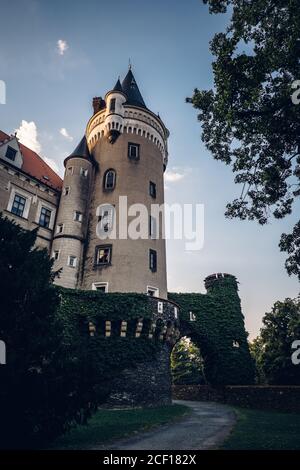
(267, 430)
(108, 425)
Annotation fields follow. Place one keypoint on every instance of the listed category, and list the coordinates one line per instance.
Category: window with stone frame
(45, 217)
(109, 180)
(106, 218)
(112, 105)
(152, 189)
(133, 151)
(153, 260)
(18, 205)
(72, 261)
(103, 255)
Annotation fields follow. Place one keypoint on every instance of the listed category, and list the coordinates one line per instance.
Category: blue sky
(168, 44)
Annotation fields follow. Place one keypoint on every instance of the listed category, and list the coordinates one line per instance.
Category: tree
(257, 350)
(186, 363)
(251, 120)
(29, 328)
(273, 348)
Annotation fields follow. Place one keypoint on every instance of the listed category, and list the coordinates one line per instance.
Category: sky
(56, 56)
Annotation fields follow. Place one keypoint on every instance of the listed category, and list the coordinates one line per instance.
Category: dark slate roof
(81, 150)
(131, 90)
(118, 86)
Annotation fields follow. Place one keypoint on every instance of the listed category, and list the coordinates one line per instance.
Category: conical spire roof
(118, 86)
(131, 90)
(81, 150)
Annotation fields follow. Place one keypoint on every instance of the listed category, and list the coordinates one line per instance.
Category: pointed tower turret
(71, 223)
(81, 151)
(118, 86)
(131, 90)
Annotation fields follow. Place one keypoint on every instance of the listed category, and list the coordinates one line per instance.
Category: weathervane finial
(129, 64)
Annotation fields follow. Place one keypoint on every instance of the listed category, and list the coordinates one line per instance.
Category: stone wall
(148, 384)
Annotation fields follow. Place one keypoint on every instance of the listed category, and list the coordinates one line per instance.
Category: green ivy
(219, 322)
(103, 358)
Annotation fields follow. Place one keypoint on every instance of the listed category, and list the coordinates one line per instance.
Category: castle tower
(72, 218)
(129, 144)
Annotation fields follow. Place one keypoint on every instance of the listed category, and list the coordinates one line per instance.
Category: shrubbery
(272, 350)
(56, 373)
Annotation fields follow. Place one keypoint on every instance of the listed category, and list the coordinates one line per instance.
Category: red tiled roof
(35, 166)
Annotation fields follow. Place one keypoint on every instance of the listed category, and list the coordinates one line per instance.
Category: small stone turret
(214, 280)
(71, 223)
(114, 112)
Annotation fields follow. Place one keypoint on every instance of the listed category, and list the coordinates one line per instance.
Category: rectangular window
(152, 189)
(66, 190)
(72, 261)
(152, 228)
(78, 216)
(133, 151)
(153, 260)
(18, 205)
(83, 172)
(60, 228)
(112, 106)
(160, 307)
(100, 286)
(10, 153)
(103, 255)
(152, 291)
(106, 219)
(70, 170)
(56, 255)
(45, 217)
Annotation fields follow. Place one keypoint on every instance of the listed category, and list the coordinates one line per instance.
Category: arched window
(109, 180)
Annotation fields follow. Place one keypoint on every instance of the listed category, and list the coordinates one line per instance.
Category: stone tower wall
(71, 240)
(129, 270)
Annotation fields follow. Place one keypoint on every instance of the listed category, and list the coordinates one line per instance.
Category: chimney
(98, 103)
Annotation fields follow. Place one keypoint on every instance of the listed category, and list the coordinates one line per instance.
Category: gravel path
(205, 427)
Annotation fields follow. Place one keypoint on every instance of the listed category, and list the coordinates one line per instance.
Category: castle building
(121, 157)
(120, 161)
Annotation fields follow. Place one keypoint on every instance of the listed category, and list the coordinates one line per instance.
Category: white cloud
(28, 135)
(176, 174)
(62, 46)
(63, 131)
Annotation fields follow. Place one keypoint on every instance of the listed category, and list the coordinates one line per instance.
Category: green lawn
(106, 425)
(256, 429)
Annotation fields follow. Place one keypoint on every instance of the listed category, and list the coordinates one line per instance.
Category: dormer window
(11, 153)
(112, 106)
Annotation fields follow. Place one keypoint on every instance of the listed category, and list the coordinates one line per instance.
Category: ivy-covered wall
(215, 323)
(122, 344)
